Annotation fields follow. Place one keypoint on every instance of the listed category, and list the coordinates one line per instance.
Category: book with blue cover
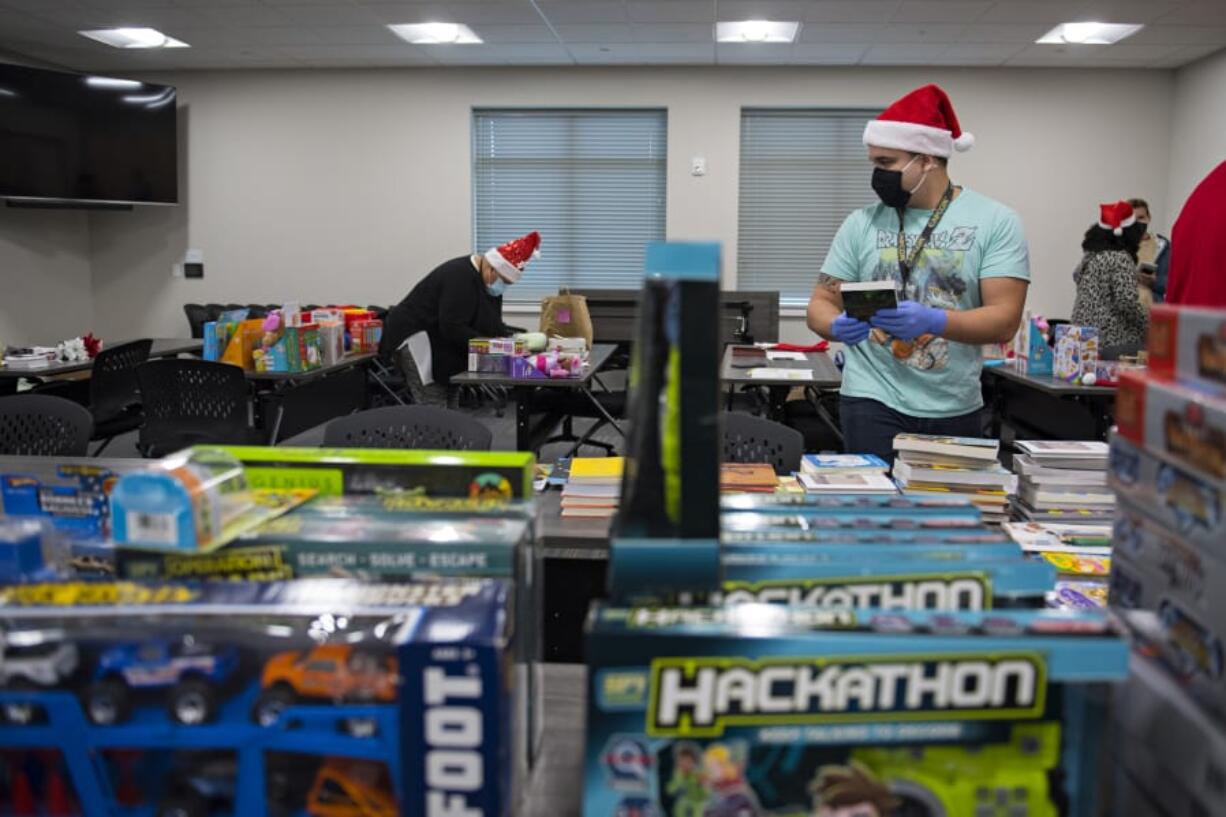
(842, 464)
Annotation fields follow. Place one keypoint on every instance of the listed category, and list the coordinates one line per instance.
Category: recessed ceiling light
(435, 33)
(756, 31)
(133, 38)
(1088, 33)
(112, 82)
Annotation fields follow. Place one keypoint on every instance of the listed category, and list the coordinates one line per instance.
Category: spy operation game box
(764, 711)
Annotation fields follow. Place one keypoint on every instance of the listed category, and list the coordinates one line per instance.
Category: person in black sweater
(459, 300)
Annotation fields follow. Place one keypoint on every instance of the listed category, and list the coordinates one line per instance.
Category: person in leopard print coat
(1107, 296)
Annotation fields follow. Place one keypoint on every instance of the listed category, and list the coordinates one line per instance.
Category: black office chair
(193, 401)
(41, 425)
(114, 391)
(571, 405)
(749, 439)
(197, 317)
(409, 427)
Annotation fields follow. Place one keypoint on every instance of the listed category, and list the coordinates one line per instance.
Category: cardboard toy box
(1174, 419)
(886, 584)
(1189, 344)
(1168, 744)
(332, 472)
(1153, 569)
(1182, 500)
(397, 695)
(1076, 353)
(757, 709)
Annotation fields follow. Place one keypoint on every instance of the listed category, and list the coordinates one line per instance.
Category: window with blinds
(592, 182)
(802, 172)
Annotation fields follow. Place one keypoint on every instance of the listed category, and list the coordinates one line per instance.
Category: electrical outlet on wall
(698, 166)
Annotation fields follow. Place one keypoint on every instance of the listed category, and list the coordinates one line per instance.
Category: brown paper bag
(566, 315)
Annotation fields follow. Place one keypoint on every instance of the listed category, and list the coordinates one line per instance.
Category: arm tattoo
(828, 282)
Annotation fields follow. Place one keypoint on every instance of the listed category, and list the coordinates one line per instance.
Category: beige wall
(349, 185)
(1198, 127)
(45, 289)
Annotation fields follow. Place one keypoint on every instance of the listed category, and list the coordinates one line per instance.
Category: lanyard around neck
(907, 260)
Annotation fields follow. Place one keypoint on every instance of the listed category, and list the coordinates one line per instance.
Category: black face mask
(887, 184)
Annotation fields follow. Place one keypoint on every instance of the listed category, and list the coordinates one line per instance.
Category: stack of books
(1061, 481)
(845, 474)
(747, 478)
(593, 487)
(965, 467)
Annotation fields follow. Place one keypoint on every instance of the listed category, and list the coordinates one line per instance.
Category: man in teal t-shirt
(961, 282)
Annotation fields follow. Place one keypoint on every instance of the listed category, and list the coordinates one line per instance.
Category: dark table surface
(562, 538)
(600, 354)
(825, 374)
(1048, 384)
(347, 362)
(162, 347)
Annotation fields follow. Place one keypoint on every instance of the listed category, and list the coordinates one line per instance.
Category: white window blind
(802, 173)
(592, 182)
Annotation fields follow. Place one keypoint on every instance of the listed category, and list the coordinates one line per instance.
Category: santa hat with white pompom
(923, 121)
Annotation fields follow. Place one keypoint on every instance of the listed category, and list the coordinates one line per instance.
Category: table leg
(603, 411)
(523, 419)
(778, 396)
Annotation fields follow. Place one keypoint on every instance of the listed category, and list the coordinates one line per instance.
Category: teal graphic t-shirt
(977, 238)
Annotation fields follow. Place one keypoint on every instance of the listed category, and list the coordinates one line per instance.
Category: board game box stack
(1168, 579)
(964, 467)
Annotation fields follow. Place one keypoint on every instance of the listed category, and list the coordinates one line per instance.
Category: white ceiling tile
(306, 2)
(940, 11)
(1067, 56)
(840, 33)
(498, 54)
(538, 33)
(356, 35)
(610, 54)
(1126, 11)
(1185, 55)
(1042, 12)
(330, 15)
(594, 33)
(851, 11)
(902, 54)
(674, 33)
(1205, 12)
(597, 11)
(752, 53)
(671, 11)
(920, 33)
(980, 53)
(1003, 32)
(283, 35)
(827, 53)
(778, 10)
(163, 19)
(473, 14)
(677, 53)
(246, 16)
(214, 37)
(1179, 35)
(319, 55)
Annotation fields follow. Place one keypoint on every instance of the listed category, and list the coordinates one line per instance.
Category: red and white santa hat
(1116, 216)
(510, 258)
(923, 121)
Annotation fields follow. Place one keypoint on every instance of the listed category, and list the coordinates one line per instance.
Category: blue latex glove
(848, 330)
(910, 320)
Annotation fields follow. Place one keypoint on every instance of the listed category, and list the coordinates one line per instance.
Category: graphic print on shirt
(938, 280)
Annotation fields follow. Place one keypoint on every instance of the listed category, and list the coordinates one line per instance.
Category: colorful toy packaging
(851, 580)
(1033, 352)
(364, 336)
(74, 494)
(1188, 343)
(219, 333)
(258, 699)
(1185, 423)
(1076, 354)
(333, 472)
(757, 710)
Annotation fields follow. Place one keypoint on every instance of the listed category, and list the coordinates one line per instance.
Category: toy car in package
(757, 710)
(256, 699)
